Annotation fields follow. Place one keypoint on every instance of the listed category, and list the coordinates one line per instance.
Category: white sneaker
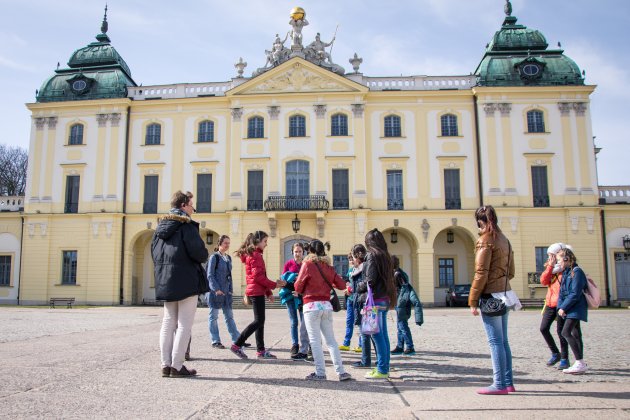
(578, 367)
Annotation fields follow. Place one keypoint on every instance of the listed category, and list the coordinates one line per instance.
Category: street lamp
(450, 237)
(394, 236)
(626, 243)
(295, 224)
(209, 238)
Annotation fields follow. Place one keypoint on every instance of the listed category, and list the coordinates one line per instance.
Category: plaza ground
(104, 363)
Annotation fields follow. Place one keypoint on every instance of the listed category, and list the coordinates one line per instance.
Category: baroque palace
(307, 149)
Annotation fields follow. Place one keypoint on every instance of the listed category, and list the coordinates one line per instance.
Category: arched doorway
(454, 259)
(287, 246)
(402, 244)
(142, 281)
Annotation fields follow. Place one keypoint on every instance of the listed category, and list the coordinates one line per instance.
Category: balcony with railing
(292, 203)
(453, 203)
(254, 205)
(533, 279)
(395, 204)
(541, 201)
(341, 203)
(614, 194)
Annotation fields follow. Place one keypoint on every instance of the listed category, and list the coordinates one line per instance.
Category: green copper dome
(96, 71)
(518, 56)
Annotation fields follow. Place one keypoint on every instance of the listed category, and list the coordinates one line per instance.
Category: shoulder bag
(334, 299)
(491, 306)
(369, 318)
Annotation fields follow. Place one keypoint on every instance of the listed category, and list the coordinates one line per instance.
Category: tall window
(256, 128)
(254, 190)
(340, 262)
(451, 189)
(150, 194)
(5, 270)
(541, 258)
(394, 190)
(340, 189)
(204, 193)
(446, 269)
(69, 268)
(535, 122)
(339, 125)
(72, 194)
(539, 186)
(298, 178)
(154, 134)
(297, 126)
(206, 132)
(392, 126)
(76, 134)
(449, 125)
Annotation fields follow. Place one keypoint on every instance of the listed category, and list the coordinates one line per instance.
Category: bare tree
(13, 163)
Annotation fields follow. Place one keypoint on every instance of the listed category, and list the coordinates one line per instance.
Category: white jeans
(320, 323)
(176, 328)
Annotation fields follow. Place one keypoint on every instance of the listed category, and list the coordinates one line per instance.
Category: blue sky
(200, 40)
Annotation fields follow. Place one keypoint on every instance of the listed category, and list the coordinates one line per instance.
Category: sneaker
(218, 345)
(375, 374)
(299, 356)
(315, 377)
(555, 358)
(578, 367)
(357, 350)
(359, 365)
(344, 377)
(344, 348)
(409, 352)
(490, 390)
(264, 354)
(564, 364)
(183, 372)
(294, 350)
(166, 372)
(238, 351)
(397, 350)
(510, 388)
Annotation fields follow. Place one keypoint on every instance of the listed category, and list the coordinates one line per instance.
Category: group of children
(306, 286)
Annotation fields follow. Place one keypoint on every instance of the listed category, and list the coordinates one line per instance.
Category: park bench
(61, 301)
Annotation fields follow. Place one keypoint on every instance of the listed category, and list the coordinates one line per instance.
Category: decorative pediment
(297, 76)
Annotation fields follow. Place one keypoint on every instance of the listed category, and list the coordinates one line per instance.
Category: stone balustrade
(180, 90)
(614, 194)
(11, 203)
(419, 82)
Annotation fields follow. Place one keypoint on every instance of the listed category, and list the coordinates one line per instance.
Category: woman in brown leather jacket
(494, 264)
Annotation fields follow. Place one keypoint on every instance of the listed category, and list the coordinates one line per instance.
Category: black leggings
(548, 316)
(573, 334)
(257, 325)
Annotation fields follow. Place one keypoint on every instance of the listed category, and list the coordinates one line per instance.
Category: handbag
(334, 299)
(491, 306)
(369, 318)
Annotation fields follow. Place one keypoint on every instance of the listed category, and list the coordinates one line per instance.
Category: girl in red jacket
(258, 287)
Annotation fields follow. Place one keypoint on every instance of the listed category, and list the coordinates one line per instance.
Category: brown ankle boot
(183, 372)
(166, 372)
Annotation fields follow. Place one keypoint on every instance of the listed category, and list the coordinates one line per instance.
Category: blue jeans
(349, 322)
(365, 342)
(497, 332)
(404, 334)
(229, 323)
(294, 314)
(381, 342)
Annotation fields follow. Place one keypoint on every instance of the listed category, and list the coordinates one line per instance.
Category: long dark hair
(377, 247)
(488, 215)
(317, 247)
(359, 252)
(220, 241)
(243, 249)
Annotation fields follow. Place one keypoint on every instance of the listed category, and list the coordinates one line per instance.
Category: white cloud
(13, 65)
(601, 70)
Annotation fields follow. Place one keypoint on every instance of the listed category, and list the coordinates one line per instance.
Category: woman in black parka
(178, 252)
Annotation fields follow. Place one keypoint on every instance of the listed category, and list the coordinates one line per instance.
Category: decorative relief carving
(237, 113)
(101, 119)
(320, 111)
(95, 229)
(361, 224)
(589, 224)
(357, 110)
(321, 222)
(273, 111)
(574, 223)
(234, 221)
(565, 108)
(514, 223)
(298, 79)
(489, 108)
(580, 108)
(39, 123)
(273, 226)
(52, 122)
(108, 229)
(115, 119)
(31, 229)
(505, 109)
(425, 229)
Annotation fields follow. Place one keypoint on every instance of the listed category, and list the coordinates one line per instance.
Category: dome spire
(507, 8)
(509, 19)
(102, 37)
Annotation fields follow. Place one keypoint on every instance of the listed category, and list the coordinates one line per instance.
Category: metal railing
(541, 201)
(291, 203)
(341, 203)
(254, 205)
(395, 204)
(453, 204)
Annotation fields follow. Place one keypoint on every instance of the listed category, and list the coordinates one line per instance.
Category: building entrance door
(622, 269)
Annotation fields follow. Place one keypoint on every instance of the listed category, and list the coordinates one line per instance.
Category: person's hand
(474, 311)
(271, 299)
(219, 293)
(551, 260)
(281, 283)
(561, 313)
(296, 294)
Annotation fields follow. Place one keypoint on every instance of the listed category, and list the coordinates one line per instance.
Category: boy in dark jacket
(406, 298)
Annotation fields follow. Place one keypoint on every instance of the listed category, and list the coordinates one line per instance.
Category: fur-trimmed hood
(168, 224)
(315, 258)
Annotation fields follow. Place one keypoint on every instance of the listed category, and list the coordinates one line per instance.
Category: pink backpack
(592, 294)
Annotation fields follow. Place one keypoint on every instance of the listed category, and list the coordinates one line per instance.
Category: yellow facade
(492, 155)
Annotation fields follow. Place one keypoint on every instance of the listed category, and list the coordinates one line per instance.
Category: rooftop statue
(316, 50)
(297, 22)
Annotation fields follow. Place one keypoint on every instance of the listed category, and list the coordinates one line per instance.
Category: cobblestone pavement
(104, 362)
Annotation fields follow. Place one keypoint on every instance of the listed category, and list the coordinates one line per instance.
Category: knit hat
(555, 248)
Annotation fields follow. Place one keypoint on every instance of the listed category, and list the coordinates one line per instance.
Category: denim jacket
(219, 273)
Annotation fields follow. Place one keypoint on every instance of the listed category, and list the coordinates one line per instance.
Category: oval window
(531, 69)
(79, 85)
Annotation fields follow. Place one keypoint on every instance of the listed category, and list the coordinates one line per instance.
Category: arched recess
(287, 245)
(404, 245)
(453, 262)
